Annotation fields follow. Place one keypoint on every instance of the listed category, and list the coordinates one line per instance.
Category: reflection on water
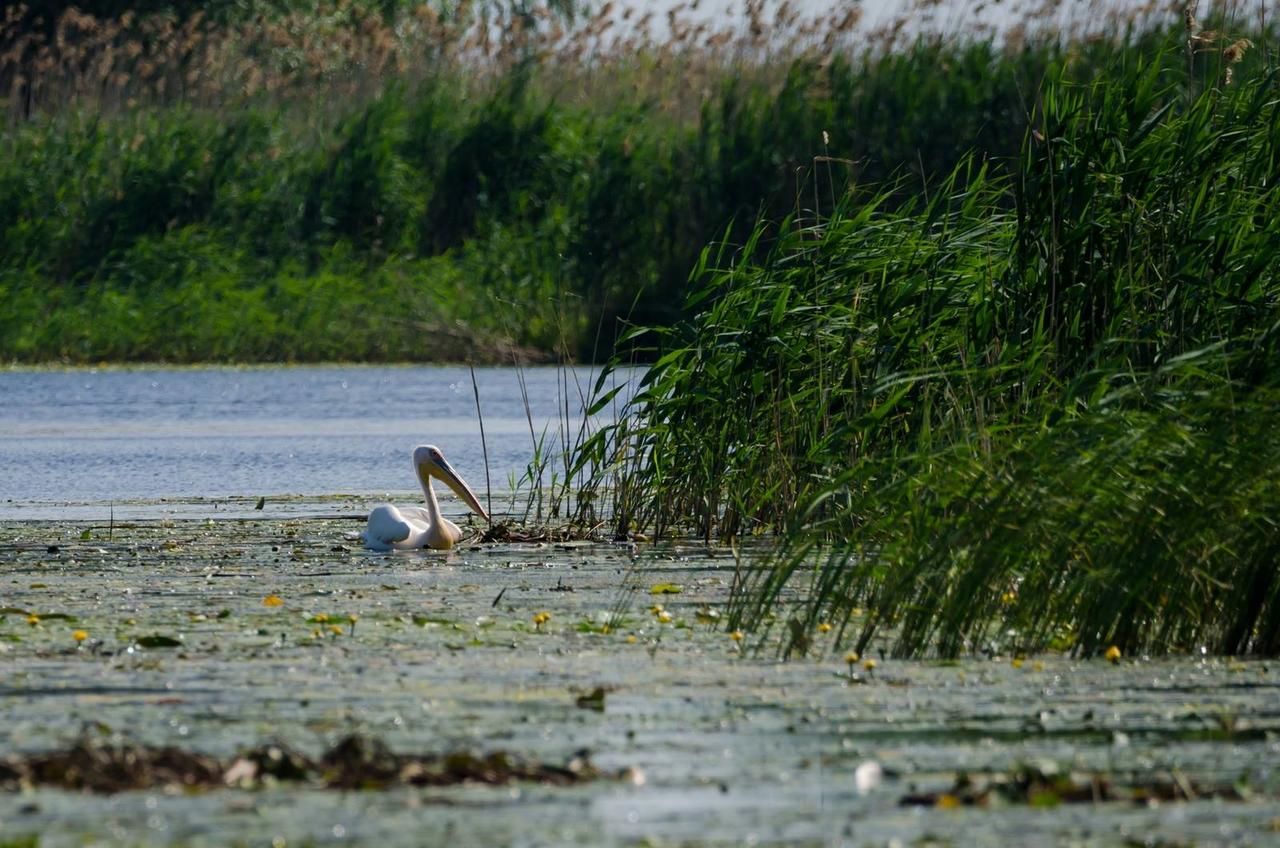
(117, 435)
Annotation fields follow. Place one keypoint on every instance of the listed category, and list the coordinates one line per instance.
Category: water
(87, 437)
(736, 748)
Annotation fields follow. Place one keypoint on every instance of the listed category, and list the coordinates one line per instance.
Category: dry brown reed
(341, 53)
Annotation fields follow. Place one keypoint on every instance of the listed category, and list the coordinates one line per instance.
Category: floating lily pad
(158, 640)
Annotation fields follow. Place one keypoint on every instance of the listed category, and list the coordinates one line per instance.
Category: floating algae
(444, 656)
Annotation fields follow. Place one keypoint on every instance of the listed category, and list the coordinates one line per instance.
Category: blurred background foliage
(534, 177)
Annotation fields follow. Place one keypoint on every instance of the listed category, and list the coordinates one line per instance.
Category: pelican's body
(393, 528)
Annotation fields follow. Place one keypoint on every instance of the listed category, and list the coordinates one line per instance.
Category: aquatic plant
(1032, 407)
(258, 183)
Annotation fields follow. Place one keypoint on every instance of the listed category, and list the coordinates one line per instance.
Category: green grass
(1034, 407)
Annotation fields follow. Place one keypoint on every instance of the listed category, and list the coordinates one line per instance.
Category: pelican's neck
(433, 506)
(439, 532)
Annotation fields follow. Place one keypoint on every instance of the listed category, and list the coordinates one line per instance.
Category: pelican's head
(429, 462)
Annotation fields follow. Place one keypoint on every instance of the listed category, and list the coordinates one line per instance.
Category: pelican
(407, 528)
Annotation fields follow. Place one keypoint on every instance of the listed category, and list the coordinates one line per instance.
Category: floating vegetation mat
(1043, 785)
(356, 762)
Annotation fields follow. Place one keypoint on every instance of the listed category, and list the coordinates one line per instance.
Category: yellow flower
(656, 609)
(1008, 598)
(273, 601)
(353, 618)
(1016, 662)
(736, 635)
(824, 627)
(335, 629)
(851, 657)
(1112, 654)
(320, 617)
(33, 619)
(947, 801)
(631, 640)
(540, 619)
(664, 617)
(80, 635)
(869, 664)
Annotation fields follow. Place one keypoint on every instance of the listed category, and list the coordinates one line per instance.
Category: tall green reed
(1035, 402)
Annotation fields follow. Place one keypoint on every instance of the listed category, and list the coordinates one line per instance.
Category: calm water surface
(89, 436)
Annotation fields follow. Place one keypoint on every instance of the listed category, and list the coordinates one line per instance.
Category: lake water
(82, 437)
(735, 748)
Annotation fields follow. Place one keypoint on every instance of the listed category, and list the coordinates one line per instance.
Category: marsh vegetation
(987, 322)
(395, 181)
(961, 349)
(1033, 397)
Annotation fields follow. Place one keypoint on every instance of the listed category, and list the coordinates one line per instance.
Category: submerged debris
(511, 532)
(356, 762)
(1044, 786)
(594, 700)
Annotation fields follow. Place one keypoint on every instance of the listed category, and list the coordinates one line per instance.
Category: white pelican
(406, 528)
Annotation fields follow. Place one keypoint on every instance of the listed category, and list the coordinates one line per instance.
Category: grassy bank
(1030, 409)
(394, 182)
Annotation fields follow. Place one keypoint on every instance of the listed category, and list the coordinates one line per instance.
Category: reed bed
(395, 181)
(1028, 408)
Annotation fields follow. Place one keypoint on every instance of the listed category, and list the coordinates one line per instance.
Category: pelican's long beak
(445, 472)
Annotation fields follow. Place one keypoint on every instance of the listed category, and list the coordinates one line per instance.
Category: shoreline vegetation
(987, 327)
(357, 181)
(1029, 406)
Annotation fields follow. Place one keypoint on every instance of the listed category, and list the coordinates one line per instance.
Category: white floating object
(867, 776)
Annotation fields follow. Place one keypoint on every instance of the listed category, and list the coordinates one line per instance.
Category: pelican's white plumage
(393, 528)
